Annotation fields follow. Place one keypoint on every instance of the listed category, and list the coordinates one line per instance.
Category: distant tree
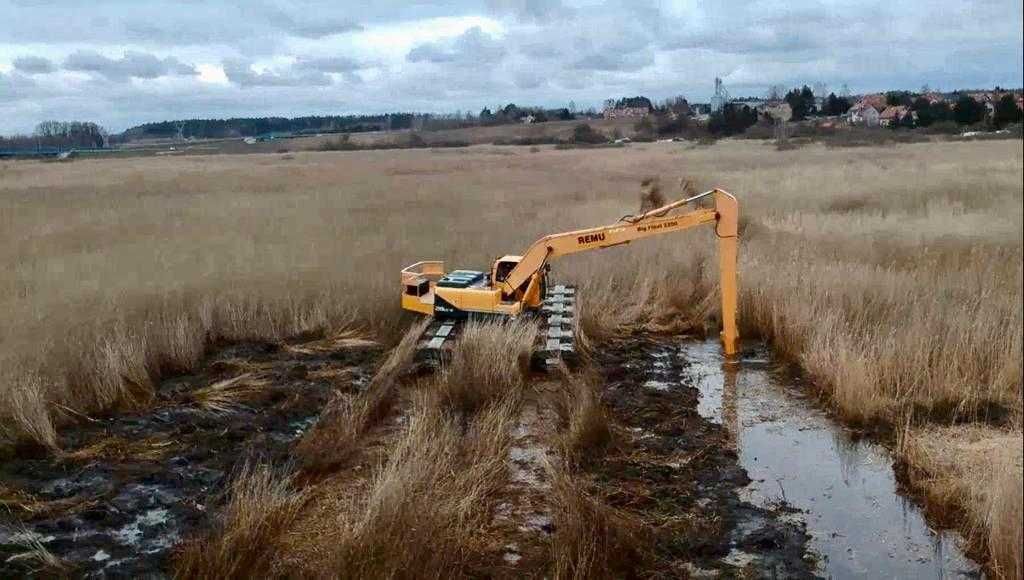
(835, 106)
(634, 102)
(672, 124)
(511, 112)
(563, 114)
(678, 105)
(68, 134)
(644, 129)
(898, 99)
(732, 120)
(584, 133)
(929, 113)
(967, 111)
(1006, 112)
(801, 101)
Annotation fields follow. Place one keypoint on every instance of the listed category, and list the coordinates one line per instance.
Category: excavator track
(438, 340)
(558, 334)
(556, 341)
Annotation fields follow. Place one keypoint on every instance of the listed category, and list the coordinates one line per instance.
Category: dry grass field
(892, 276)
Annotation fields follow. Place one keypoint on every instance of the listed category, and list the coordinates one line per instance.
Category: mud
(678, 472)
(127, 489)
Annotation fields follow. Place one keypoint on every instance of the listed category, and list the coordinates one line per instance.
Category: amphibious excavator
(517, 285)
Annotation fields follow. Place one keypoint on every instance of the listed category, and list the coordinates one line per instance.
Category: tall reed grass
(891, 275)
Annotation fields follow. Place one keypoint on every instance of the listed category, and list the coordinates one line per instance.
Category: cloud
(316, 24)
(611, 61)
(15, 85)
(328, 64)
(133, 64)
(529, 79)
(531, 10)
(34, 65)
(295, 57)
(472, 47)
(242, 73)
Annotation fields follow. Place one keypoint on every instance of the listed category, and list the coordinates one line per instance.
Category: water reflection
(846, 489)
(730, 401)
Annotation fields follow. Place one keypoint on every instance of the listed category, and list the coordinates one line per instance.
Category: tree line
(256, 126)
(58, 135)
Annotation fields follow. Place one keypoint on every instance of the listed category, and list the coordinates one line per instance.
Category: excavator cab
(503, 266)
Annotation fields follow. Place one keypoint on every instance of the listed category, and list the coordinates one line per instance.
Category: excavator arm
(656, 222)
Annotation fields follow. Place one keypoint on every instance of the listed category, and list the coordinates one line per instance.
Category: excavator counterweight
(518, 284)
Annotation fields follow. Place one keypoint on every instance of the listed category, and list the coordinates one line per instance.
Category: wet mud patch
(129, 488)
(857, 511)
(522, 518)
(678, 473)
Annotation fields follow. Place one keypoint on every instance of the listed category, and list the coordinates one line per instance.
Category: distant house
(752, 103)
(875, 101)
(776, 110)
(620, 112)
(982, 96)
(864, 114)
(895, 115)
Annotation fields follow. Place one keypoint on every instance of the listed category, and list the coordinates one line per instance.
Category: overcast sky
(122, 62)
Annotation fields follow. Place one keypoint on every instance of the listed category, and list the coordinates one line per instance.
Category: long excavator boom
(725, 216)
(516, 283)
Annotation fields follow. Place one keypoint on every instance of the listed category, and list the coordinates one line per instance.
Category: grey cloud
(328, 64)
(529, 79)
(241, 73)
(15, 86)
(183, 30)
(611, 61)
(472, 47)
(132, 64)
(316, 24)
(34, 65)
(549, 51)
(531, 10)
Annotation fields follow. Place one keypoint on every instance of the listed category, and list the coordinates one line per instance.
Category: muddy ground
(678, 473)
(127, 489)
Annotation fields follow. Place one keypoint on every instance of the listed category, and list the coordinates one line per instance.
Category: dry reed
(262, 504)
(892, 275)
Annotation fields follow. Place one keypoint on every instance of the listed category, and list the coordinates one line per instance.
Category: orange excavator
(516, 285)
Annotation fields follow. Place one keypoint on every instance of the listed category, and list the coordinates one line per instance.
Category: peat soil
(128, 488)
(678, 473)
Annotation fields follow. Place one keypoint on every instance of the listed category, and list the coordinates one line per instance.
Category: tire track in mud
(128, 488)
(523, 516)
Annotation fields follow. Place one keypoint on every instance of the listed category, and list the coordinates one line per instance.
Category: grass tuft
(338, 432)
(262, 504)
(490, 361)
(226, 396)
(591, 539)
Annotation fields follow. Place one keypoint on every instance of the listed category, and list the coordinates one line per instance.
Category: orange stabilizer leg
(727, 229)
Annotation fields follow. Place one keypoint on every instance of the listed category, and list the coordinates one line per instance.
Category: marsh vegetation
(890, 276)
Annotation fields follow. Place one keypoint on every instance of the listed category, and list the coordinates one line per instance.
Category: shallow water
(846, 491)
